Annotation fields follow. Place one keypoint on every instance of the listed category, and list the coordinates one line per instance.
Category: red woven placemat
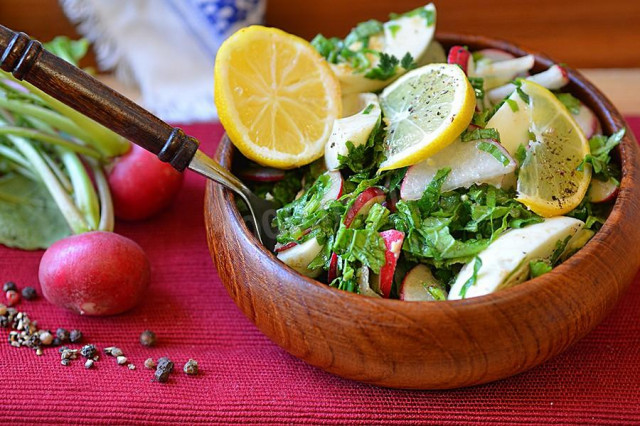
(245, 378)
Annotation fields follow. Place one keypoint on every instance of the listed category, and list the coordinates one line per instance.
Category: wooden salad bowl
(435, 345)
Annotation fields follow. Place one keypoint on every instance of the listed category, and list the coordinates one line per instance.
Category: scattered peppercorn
(131, 367)
(88, 351)
(164, 368)
(29, 293)
(75, 336)
(63, 335)
(9, 285)
(56, 342)
(150, 364)
(148, 338)
(3, 310)
(191, 367)
(89, 364)
(46, 337)
(113, 351)
(13, 297)
(62, 349)
(65, 362)
(122, 360)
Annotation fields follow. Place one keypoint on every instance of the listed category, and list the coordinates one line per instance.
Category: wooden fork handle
(27, 60)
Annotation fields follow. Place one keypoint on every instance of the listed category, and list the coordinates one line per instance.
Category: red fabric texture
(245, 378)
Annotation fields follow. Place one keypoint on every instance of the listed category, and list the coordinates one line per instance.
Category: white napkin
(163, 47)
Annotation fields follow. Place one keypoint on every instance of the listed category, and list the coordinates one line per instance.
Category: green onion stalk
(46, 141)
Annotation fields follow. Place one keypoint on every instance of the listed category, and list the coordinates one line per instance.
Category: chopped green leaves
(480, 133)
(539, 267)
(512, 104)
(473, 279)
(364, 245)
(600, 158)
(570, 102)
(495, 152)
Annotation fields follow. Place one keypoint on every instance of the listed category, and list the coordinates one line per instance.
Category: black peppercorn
(191, 367)
(164, 368)
(29, 293)
(148, 338)
(63, 335)
(9, 285)
(88, 351)
(75, 336)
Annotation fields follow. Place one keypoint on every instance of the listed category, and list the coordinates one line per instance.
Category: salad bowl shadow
(435, 345)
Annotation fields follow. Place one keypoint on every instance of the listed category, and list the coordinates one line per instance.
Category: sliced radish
(300, 256)
(554, 78)
(393, 242)
(495, 55)
(262, 174)
(459, 55)
(332, 274)
(507, 69)
(282, 247)
(363, 203)
(601, 191)
(468, 164)
(587, 121)
(415, 285)
(334, 190)
(364, 280)
(355, 128)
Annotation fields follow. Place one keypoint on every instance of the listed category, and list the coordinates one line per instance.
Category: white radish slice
(468, 164)
(554, 78)
(513, 126)
(334, 191)
(587, 121)
(407, 34)
(576, 242)
(505, 262)
(602, 191)
(415, 285)
(364, 278)
(355, 128)
(300, 256)
(495, 55)
(507, 69)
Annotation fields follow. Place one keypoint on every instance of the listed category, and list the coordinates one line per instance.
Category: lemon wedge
(549, 182)
(425, 110)
(276, 96)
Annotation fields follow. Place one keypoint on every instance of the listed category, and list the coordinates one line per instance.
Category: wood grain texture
(435, 345)
(582, 33)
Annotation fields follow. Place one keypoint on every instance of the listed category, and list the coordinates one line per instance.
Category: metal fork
(27, 60)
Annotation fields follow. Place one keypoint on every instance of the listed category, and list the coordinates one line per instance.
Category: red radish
(332, 274)
(601, 191)
(262, 174)
(363, 203)
(415, 285)
(393, 242)
(278, 248)
(587, 121)
(460, 55)
(495, 55)
(334, 190)
(553, 78)
(142, 185)
(96, 273)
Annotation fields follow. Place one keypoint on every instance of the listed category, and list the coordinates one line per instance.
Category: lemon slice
(425, 110)
(549, 182)
(276, 96)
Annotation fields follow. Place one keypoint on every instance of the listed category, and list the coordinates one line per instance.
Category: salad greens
(54, 155)
(369, 234)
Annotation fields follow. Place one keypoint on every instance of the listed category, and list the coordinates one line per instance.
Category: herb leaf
(473, 279)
